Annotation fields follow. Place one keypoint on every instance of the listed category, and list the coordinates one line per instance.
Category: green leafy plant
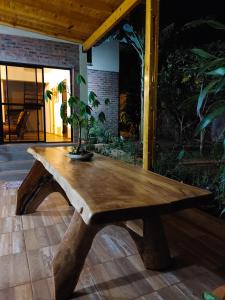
(83, 114)
(211, 70)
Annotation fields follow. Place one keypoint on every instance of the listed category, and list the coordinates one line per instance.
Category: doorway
(56, 129)
(25, 115)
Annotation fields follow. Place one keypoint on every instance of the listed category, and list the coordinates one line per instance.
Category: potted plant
(82, 116)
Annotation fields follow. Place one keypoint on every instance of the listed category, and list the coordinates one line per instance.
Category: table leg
(38, 184)
(155, 251)
(71, 255)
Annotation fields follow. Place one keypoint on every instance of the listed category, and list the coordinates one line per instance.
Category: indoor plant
(83, 115)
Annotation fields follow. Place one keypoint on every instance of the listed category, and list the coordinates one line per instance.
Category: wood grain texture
(38, 184)
(150, 82)
(110, 22)
(71, 255)
(113, 268)
(105, 190)
(70, 20)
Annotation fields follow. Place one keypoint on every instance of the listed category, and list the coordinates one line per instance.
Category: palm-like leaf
(208, 119)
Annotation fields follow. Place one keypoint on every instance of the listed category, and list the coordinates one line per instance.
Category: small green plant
(82, 113)
(99, 134)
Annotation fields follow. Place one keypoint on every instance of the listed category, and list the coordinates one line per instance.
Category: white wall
(106, 57)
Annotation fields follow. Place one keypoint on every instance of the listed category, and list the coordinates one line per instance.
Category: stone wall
(106, 85)
(24, 50)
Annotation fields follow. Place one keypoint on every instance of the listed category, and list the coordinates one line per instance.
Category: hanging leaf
(202, 53)
(95, 103)
(220, 85)
(101, 117)
(203, 94)
(92, 120)
(216, 24)
(82, 108)
(211, 64)
(61, 87)
(48, 95)
(80, 79)
(72, 101)
(63, 110)
(208, 119)
(92, 96)
(181, 154)
(217, 72)
(209, 296)
(107, 101)
(88, 109)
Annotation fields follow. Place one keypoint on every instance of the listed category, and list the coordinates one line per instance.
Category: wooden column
(150, 82)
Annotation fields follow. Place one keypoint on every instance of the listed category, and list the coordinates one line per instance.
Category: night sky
(182, 11)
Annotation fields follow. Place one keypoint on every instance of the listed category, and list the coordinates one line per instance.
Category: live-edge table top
(106, 190)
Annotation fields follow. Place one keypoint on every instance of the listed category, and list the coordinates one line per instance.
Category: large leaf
(212, 23)
(80, 79)
(61, 87)
(48, 95)
(209, 296)
(107, 101)
(92, 96)
(216, 24)
(202, 53)
(217, 72)
(209, 65)
(220, 86)
(208, 119)
(203, 94)
(101, 117)
(63, 110)
(88, 109)
(72, 101)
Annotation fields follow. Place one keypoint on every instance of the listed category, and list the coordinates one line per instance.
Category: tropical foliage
(82, 113)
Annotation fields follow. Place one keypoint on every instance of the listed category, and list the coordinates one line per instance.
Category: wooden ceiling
(82, 21)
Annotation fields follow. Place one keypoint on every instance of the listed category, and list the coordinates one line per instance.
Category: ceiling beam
(110, 22)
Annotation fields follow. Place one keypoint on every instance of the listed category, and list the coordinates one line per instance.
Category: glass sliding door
(22, 104)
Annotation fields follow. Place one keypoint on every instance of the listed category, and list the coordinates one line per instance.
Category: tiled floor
(113, 269)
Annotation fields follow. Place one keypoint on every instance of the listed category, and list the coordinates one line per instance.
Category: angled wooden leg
(30, 185)
(38, 184)
(71, 255)
(155, 252)
(151, 242)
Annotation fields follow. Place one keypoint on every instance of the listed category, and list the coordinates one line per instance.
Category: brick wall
(25, 50)
(106, 85)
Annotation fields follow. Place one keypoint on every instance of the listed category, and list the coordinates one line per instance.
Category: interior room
(25, 114)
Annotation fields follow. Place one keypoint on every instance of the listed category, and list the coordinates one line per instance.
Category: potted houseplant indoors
(82, 116)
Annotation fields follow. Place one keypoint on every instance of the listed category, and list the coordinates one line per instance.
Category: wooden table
(103, 191)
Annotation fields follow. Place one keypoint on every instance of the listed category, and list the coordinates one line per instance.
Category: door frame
(32, 66)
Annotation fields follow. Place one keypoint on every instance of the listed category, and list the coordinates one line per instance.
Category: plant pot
(83, 156)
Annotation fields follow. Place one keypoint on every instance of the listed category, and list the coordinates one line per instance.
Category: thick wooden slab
(106, 190)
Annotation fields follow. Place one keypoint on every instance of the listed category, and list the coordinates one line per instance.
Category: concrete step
(14, 156)
(13, 175)
(16, 165)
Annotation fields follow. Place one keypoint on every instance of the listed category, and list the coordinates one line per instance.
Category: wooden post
(150, 82)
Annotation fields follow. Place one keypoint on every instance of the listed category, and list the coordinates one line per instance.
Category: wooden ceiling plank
(99, 5)
(20, 20)
(112, 20)
(47, 17)
(59, 10)
(38, 29)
